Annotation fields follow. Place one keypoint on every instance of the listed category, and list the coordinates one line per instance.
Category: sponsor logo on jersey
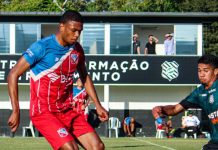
(170, 70)
(56, 59)
(29, 52)
(71, 49)
(62, 132)
(53, 76)
(203, 95)
(212, 90)
(211, 99)
(213, 117)
(74, 58)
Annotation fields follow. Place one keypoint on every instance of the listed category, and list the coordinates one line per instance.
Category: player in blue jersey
(81, 98)
(204, 97)
(129, 126)
(52, 62)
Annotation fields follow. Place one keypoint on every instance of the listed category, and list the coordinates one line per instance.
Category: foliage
(79, 5)
(111, 5)
(143, 5)
(211, 38)
(98, 6)
(124, 5)
(28, 5)
(198, 6)
(210, 30)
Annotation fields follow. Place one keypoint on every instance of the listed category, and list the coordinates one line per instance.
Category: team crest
(62, 132)
(74, 58)
(170, 70)
(211, 99)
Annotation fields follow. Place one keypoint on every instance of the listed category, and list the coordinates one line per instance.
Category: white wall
(121, 97)
(148, 93)
(4, 93)
(146, 97)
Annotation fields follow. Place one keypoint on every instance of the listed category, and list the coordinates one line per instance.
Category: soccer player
(129, 126)
(81, 99)
(204, 97)
(52, 62)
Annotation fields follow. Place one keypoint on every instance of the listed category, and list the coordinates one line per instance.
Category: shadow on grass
(129, 146)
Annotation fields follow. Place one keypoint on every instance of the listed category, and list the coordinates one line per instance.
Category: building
(127, 84)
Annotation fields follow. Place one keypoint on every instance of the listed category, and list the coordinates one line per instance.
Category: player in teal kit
(204, 97)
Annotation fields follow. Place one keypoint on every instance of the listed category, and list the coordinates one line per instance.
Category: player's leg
(132, 128)
(85, 134)
(210, 146)
(194, 130)
(54, 131)
(125, 128)
(91, 141)
(128, 130)
(69, 146)
(167, 131)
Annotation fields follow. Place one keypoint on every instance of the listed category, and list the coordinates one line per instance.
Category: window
(92, 38)
(4, 38)
(120, 39)
(26, 34)
(186, 39)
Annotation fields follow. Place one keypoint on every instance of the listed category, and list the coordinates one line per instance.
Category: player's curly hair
(71, 15)
(209, 59)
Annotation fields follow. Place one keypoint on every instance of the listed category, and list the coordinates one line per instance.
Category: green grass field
(19, 143)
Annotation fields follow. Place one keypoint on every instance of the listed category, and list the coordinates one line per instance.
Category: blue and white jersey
(51, 74)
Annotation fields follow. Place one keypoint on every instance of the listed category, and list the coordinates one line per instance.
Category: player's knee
(98, 146)
(69, 146)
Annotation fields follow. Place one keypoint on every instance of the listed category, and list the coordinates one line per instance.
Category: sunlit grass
(19, 143)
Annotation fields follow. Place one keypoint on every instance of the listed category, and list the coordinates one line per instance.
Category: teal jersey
(207, 100)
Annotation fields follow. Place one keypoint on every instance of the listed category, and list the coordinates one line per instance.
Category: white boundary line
(169, 148)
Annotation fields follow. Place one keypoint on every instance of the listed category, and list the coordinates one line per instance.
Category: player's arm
(87, 102)
(169, 110)
(146, 50)
(165, 47)
(90, 89)
(89, 86)
(155, 39)
(138, 48)
(12, 79)
(197, 121)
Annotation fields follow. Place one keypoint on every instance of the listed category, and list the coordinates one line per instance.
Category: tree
(210, 30)
(211, 38)
(125, 5)
(98, 5)
(29, 5)
(79, 5)
(198, 5)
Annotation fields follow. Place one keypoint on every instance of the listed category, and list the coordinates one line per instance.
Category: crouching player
(81, 99)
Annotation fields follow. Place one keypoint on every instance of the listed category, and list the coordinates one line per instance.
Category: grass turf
(19, 143)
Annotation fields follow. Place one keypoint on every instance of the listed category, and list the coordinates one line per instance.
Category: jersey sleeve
(191, 101)
(146, 45)
(34, 53)
(81, 68)
(139, 43)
